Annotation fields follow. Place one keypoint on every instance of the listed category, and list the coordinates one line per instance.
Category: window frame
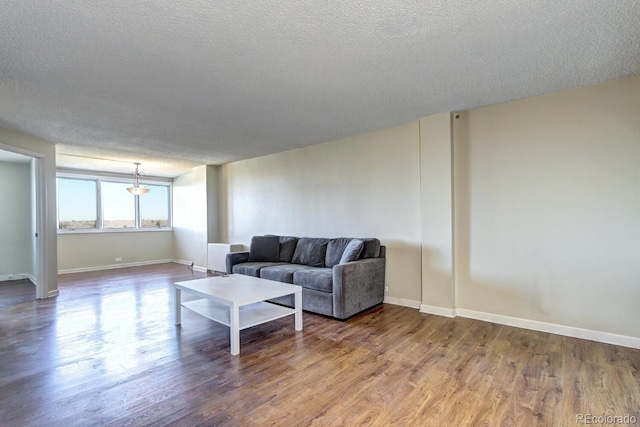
(99, 178)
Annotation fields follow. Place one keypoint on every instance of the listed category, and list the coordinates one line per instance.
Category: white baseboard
(181, 261)
(439, 311)
(195, 267)
(403, 302)
(114, 266)
(569, 331)
(52, 294)
(12, 277)
(534, 325)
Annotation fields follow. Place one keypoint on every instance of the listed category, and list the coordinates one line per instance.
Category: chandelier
(137, 189)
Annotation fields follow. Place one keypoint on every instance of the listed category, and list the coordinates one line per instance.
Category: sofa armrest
(357, 286)
(234, 258)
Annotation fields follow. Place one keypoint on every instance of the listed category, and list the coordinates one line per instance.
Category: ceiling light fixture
(137, 189)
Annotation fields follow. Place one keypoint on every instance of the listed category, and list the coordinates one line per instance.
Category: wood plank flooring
(13, 292)
(106, 353)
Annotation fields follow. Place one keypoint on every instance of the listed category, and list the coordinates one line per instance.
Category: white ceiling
(177, 84)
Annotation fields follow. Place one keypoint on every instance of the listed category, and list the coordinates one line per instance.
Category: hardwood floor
(14, 292)
(106, 352)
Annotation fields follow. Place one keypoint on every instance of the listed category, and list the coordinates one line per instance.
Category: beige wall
(82, 251)
(214, 204)
(197, 214)
(368, 185)
(15, 219)
(548, 208)
(436, 191)
(190, 220)
(527, 210)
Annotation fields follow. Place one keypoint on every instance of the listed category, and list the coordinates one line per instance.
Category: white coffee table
(239, 302)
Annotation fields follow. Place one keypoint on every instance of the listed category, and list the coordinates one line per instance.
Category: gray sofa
(339, 277)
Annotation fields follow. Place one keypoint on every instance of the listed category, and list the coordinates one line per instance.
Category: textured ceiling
(177, 84)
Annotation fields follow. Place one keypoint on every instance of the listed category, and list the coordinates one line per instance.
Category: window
(118, 206)
(94, 203)
(77, 204)
(154, 207)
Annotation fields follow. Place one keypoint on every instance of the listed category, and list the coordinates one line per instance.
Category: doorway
(22, 223)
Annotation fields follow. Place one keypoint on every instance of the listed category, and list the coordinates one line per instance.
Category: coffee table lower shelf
(250, 315)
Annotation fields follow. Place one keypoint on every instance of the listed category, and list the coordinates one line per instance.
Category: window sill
(112, 230)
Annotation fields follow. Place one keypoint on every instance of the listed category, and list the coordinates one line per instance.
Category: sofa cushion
(335, 248)
(281, 272)
(352, 251)
(250, 268)
(371, 248)
(287, 248)
(264, 249)
(320, 279)
(310, 251)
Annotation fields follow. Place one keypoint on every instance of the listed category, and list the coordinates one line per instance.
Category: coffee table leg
(235, 329)
(298, 307)
(178, 309)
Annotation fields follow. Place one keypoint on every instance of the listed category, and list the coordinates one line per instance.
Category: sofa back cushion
(264, 249)
(371, 248)
(287, 248)
(310, 251)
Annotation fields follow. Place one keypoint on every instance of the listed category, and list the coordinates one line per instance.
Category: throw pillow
(352, 251)
(264, 249)
(335, 249)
